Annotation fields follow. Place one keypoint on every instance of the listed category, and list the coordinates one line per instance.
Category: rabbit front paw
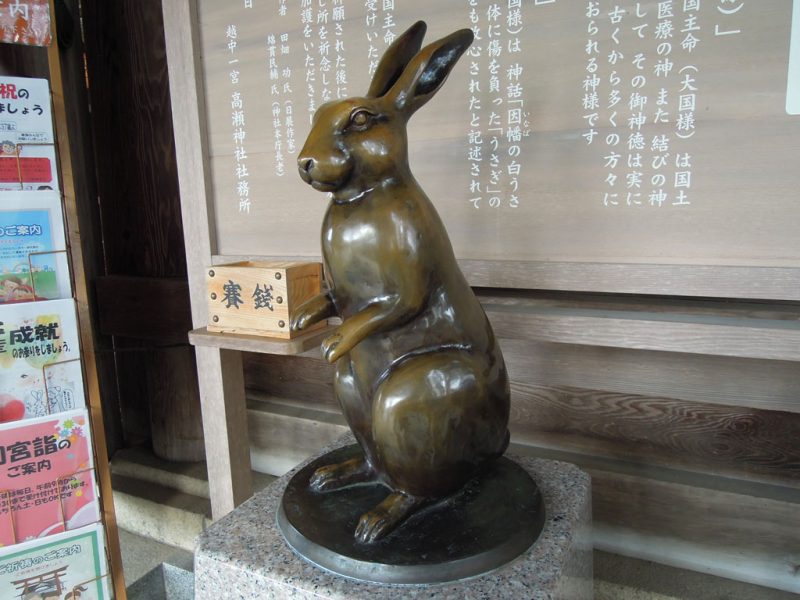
(300, 321)
(332, 348)
(312, 311)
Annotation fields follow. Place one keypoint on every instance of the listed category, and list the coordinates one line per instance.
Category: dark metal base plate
(491, 521)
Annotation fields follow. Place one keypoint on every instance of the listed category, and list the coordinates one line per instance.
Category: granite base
(244, 555)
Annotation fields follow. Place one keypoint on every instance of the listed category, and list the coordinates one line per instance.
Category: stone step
(164, 582)
(162, 500)
(140, 463)
(159, 512)
(155, 571)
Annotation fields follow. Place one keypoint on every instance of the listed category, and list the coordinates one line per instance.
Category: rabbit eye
(360, 118)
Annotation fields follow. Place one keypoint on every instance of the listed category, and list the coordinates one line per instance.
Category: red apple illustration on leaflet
(11, 408)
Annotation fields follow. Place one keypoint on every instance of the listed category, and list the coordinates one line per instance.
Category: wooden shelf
(254, 343)
(772, 339)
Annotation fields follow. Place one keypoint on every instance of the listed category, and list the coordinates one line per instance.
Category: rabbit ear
(428, 70)
(395, 59)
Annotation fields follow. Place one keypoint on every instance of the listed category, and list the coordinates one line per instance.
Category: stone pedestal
(244, 554)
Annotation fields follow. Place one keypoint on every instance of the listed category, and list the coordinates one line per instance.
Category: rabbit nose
(305, 165)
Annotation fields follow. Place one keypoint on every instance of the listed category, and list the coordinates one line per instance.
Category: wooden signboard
(659, 138)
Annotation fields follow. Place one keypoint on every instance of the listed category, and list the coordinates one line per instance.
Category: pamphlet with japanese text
(69, 565)
(26, 117)
(40, 373)
(27, 153)
(28, 167)
(46, 477)
(26, 22)
(33, 261)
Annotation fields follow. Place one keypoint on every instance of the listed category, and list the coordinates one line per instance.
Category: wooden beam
(219, 371)
(257, 343)
(714, 336)
(710, 281)
(191, 149)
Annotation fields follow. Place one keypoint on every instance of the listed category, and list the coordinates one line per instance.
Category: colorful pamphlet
(28, 167)
(33, 261)
(26, 22)
(40, 373)
(27, 153)
(26, 116)
(46, 477)
(67, 566)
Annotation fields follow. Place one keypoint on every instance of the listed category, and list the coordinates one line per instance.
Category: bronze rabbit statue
(419, 374)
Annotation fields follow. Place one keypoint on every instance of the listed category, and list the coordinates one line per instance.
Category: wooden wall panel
(769, 385)
(607, 399)
(742, 442)
(742, 537)
(762, 384)
(149, 308)
(296, 377)
(712, 336)
(136, 171)
(24, 61)
(739, 442)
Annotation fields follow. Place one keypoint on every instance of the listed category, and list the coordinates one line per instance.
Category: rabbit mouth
(318, 184)
(322, 186)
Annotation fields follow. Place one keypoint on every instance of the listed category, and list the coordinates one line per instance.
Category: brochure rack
(81, 295)
(64, 176)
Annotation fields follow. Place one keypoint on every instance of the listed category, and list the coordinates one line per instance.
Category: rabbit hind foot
(385, 517)
(341, 475)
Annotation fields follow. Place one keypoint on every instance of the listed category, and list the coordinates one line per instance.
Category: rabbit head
(355, 144)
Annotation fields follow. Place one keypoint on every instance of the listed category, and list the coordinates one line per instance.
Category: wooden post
(219, 371)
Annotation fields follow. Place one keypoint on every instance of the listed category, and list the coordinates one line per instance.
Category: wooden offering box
(259, 297)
